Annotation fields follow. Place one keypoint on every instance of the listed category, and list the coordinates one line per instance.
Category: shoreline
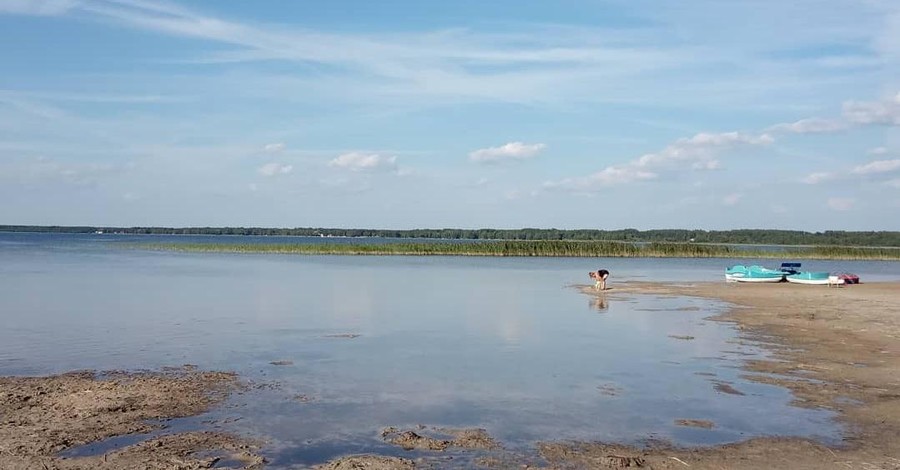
(42, 419)
(833, 348)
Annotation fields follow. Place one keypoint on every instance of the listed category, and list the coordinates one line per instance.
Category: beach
(834, 348)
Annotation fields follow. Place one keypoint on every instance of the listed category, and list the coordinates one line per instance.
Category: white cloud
(358, 161)
(818, 177)
(878, 151)
(841, 203)
(700, 149)
(780, 209)
(732, 199)
(272, 169)
(810, 126)
(698, 152)
(274, 147)
(894, 183)
(884, 111)
(506, 152)
(878, 166)
(609, 176)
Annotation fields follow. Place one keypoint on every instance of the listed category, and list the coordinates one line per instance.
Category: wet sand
(43, 416)
(835, 348)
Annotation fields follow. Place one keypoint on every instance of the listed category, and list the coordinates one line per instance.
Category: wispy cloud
(272, 169)
(877, 166)
(609, 176)
(810, 126)
(47, 170)
(358, 161)
(699, 152)
(885, 111)
(110, 98)
(507, 152)
(539, 63)
(818, 177)
(274, 147)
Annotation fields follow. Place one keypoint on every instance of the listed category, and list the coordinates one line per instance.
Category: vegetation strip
(539, 248)
(742, 236)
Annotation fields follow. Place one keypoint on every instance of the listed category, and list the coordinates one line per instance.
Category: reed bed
(549, 248)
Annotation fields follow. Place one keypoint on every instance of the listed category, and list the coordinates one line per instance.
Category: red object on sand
(849, 278)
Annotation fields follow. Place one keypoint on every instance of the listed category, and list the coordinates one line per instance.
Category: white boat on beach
(811, 278)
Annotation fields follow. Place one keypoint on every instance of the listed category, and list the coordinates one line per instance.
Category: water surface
(499, 343)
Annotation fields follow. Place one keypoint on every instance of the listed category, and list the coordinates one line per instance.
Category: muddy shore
(834, 348)
(43, 416)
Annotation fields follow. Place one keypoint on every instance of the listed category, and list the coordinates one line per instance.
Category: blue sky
(406, 114)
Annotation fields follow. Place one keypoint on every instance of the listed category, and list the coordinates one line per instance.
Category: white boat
(818, 279)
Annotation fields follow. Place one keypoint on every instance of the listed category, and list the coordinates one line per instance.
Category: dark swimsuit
(602, 273)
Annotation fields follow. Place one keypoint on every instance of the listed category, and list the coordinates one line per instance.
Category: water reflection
(456, 342)
(599, 302)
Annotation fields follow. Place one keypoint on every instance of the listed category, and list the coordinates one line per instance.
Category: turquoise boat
(735, 271)
(815, 278)
(741, 273)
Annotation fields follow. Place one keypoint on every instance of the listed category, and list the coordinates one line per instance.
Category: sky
(399, 114)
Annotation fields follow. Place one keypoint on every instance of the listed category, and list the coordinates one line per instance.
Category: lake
(368, 342)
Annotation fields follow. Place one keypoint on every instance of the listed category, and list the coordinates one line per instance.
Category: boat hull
(759, 279)
(754, 273)
(817, 279)
(812, 282)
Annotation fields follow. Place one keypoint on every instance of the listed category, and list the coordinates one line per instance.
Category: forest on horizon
(739, 236)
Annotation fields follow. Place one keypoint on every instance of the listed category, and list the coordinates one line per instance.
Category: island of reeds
(550, 248)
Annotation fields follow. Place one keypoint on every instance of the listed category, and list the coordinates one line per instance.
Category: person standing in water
(600, 276)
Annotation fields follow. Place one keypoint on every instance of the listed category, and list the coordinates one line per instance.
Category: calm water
(499, 343)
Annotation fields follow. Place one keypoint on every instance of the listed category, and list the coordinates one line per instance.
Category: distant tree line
(755, 236)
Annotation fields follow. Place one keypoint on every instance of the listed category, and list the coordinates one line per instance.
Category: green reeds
(549, 248)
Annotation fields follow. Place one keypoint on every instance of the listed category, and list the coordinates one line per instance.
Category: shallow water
(499, 343)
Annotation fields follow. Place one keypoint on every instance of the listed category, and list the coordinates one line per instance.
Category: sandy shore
(835, 348)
